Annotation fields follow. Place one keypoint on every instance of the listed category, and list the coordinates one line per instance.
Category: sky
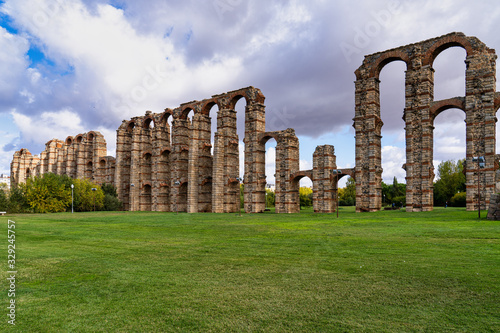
(72, 66)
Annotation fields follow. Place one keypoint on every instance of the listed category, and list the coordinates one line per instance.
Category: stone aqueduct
(172, 168)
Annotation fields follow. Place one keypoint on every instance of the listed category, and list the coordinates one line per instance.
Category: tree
(4, 201)
(17, 201)
(85, 198)
(270, 198)
(347, 195)
(47, 193)
(451, 181)
(305, 195)
(111, 201)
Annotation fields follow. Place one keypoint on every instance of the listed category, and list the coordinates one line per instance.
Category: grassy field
(161, 272)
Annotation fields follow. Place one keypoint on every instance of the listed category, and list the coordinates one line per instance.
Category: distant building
(4, 179)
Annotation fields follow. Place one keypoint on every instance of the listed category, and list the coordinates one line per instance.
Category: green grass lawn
(161, 272)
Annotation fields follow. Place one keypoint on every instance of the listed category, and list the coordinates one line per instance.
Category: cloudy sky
(71, 66)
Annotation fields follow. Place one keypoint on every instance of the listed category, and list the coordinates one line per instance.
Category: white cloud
(12, 64)
(393, 159)
(48, 125)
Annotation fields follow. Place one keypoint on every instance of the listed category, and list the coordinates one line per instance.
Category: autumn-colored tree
(85, 199)
(47, 193)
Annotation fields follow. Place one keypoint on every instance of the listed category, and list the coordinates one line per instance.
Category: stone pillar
(368, 125)
(179, 162)
(161, 166)
(324, 187)
(255, 159)
(287, 163)
(481, 122)
(135, 167)
(123, 161)
(226, 191)
(419, 139)
(193, 165)
(205, 170)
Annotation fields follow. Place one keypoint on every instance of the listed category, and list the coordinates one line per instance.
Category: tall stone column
(135, 168)
(287, 163)
(193, 165)
(419, 139)
(226, 192)
(481, 122)
(368, 125)
(255, 159)
(205, 170)
(160, 176)
(324, 189)
(179, 162)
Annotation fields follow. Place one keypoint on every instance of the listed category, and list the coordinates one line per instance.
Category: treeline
(50, 193)
(449, 189)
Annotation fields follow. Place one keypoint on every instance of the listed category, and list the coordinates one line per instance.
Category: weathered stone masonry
(162, 167)
(82, 156)
(480, 104)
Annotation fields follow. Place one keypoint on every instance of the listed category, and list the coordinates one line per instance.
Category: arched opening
(69, 141)
(89, 171)
(102, 172)
(392, 105)
(28, 173)
(146, 167)
(130, 127)
(240, 108)
(145, 198)
(149, 123)
(303, 195)
(79, 139)
(270, 163)
(449, 73)
(90, 137)
(449, 149)
(347, 193)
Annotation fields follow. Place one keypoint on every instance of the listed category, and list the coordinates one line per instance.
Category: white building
(4, 179)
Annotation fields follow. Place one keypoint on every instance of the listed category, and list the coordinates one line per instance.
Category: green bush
(47, 193)
(399, 201)
(86, 200)
(17, 201)
(459, 200)
(111, 203)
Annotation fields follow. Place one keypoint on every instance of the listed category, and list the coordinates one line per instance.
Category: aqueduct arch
(419, 114)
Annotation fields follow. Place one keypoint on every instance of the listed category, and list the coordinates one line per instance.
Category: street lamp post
(177, 183)
(72, 200)
(337, 172)
(93, 190)
(480, 165)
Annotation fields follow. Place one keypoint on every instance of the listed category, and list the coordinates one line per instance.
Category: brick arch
(79, 138)
(386, 58)
(235, 99)
(453, 40)
(440, 106)
(146, 122)
(185, 111)
(130, 126)
(208, 105)
(69, 140)
(296, 177)
(265, 137)
(92, 135)
(497, 101)
(165, 115)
